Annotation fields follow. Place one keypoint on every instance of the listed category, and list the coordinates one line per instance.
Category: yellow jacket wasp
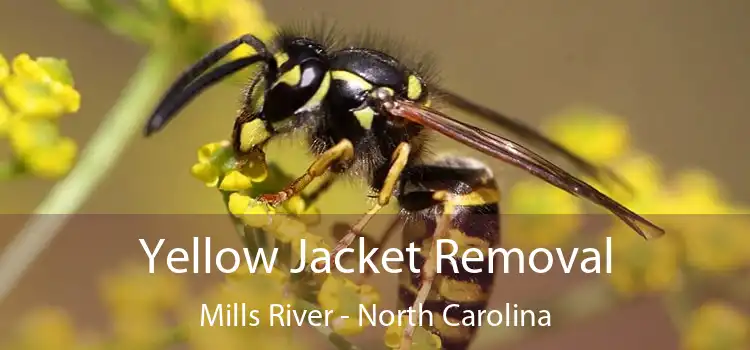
(366, 114)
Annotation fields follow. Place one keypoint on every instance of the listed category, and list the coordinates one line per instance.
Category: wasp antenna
(170, 107)
(186, 87)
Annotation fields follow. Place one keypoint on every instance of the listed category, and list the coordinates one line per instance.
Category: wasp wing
(519, 156)
(530, 135)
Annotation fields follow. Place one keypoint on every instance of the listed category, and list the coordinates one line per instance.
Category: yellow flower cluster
(716, 326)
(345, 297)
(216, 164)
(157, 311)
(36, 93)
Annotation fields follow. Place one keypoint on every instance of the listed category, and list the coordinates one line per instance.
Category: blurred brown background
(677, 70)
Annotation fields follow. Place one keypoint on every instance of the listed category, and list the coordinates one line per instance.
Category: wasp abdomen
(472, 198)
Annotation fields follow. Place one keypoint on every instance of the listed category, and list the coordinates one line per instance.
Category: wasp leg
(341, 152)
(398, 163)
(325, 185)
(428, 273)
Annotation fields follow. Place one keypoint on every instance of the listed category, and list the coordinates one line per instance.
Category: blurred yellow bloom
(644, 174)
(37, 93)
(421, 340)
(287, 229)
(6, 116)
(344, 298)
(133, 290)
(640, 266)
(4, 69)
(312, 242)
(697, 192)
(202, 11)
(53, 161)
(39, 145)
(244, 17)
(716, 243)
(42, 87)
(47, 329)
(540, 215)
(717, 326)
(255, 292)
(596, 136)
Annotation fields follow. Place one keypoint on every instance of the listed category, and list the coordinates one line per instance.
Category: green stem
(121, 124)
(10, 169)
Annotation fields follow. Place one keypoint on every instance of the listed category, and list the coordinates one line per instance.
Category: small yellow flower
(643, 266)
(250, 211)
(596, 136)
(205, 172)
(215, 161)
(235, 181)
(541, 215)
(421, 340)
(295, 205)
(41, 148)
(42, 87)
(717, 326)
(344, 298)
(207, 152)
(52, 161)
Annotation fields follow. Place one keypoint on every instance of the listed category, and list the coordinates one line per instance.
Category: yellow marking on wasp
(322, 91)
(281, 58)
(252, 134)
(458, 291)
(319, 95)
(291, 77)
(413, 88)
(465, 242)
(257, 96)
(352, 78)
(365, 117)
(478, 197)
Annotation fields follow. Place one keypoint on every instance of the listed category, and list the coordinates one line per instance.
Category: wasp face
(302, 82)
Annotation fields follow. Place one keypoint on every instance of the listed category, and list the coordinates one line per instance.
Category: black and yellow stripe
(468, 190)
